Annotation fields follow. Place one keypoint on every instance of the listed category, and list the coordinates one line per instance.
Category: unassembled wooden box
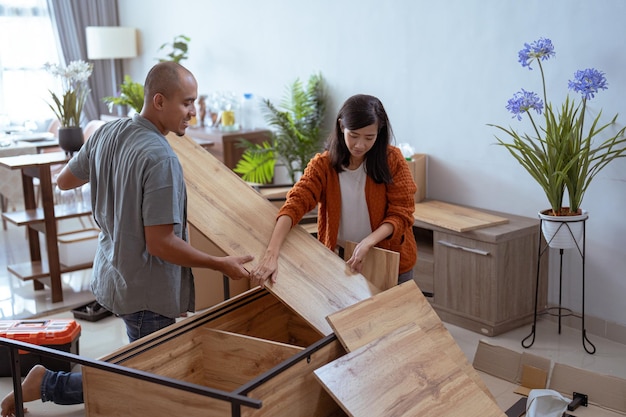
(319, 342)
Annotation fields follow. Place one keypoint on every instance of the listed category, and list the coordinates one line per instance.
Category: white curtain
(69, 19)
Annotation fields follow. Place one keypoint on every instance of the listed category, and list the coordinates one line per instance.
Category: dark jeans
(66, 388)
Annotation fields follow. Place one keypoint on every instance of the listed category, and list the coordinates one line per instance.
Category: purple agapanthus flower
(523, 101)
(588, 82)
(540, 49)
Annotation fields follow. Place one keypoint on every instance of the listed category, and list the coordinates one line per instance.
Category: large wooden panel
(419, 381)
(239, 221)
(453, 217)
(404, 304)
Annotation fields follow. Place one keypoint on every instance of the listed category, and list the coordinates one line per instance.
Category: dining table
(41, 220)
(41, 140)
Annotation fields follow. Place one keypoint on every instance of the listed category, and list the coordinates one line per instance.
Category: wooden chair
(91, 127)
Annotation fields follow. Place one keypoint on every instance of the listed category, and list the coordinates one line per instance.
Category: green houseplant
(179, 48)
(68, 107)
(131, 95)
(297, 134)
(561, 155)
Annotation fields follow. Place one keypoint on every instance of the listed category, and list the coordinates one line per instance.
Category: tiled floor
(18, 300)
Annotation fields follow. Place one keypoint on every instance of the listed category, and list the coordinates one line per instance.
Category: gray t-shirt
(136, 180)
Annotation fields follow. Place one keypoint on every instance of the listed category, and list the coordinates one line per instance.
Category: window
(27, 42)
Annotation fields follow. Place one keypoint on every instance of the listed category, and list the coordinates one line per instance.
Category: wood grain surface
(453, 217)
(373, 319)
(312, 280)
(381, 266)
(417, 379)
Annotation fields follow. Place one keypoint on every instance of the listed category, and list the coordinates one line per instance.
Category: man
(142, 267)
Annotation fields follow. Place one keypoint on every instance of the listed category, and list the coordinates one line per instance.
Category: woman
(364, 189)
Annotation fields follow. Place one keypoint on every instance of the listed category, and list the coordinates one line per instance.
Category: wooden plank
(403, 304)
(419, 381)
(239, 221)
(61, 211)
(453, 217)
(381, 266)
(231, 360)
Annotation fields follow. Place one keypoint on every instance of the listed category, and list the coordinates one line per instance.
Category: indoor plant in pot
(68, 107)
(562, 154)
(131, 95)
(297, 133)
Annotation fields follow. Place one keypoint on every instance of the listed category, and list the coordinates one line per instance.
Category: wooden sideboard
(224, 145)
(484, 279)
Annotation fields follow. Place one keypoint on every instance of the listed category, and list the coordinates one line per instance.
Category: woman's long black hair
(359, 111)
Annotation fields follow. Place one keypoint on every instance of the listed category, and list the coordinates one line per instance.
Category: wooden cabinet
(484, 279)
(224, 145)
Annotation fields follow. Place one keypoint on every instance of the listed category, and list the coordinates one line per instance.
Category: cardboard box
(57, 334)
(514, 374)
(417, 165)
(78, 247)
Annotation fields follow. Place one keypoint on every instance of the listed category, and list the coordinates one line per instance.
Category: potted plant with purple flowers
(562, 155)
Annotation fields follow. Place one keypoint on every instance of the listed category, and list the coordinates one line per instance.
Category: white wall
(444, 70)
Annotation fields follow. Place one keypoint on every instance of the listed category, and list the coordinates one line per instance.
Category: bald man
(142, 267)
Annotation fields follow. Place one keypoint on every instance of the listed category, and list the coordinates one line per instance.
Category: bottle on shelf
(246, 109)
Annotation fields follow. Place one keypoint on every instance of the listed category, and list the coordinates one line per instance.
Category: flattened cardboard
(418, 168)
(507, 364)
(532, 378)
(602, 390)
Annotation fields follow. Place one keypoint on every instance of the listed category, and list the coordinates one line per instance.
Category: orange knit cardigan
(391, 203)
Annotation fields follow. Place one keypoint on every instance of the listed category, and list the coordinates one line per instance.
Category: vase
(70, 139)
(563, 232)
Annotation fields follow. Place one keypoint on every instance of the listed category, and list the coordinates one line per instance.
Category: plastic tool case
(55, 334)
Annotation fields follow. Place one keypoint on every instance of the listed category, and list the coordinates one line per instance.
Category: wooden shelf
(61, 211)
(27, 271)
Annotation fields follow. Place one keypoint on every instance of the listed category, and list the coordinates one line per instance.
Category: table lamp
(111, 42)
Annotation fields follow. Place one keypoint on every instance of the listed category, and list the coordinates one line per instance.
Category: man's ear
(158, 101)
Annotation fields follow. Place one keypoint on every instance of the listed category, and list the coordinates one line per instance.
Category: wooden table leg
(30, 203)
(47, 202)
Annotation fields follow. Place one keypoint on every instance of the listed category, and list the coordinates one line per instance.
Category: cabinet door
(465, 272)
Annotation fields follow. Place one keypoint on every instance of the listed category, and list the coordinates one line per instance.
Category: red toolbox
(55, 334)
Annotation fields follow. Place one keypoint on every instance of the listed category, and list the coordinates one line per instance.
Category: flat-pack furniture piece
(321, 341)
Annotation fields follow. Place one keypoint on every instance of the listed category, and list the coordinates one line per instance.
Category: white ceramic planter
(563, 232)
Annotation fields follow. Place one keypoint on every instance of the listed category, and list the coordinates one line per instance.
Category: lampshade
(111, 42)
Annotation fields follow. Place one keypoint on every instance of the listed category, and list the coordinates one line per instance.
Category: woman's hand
(266, 269)
(358, 256)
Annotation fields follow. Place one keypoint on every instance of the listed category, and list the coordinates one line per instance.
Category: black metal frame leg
(587, 344)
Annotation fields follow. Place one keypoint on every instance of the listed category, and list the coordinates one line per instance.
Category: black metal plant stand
(587, 345)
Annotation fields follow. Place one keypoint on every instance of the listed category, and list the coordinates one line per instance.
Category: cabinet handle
(452, 245)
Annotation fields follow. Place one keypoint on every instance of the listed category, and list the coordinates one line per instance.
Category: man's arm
(66, 180)
(162, 242)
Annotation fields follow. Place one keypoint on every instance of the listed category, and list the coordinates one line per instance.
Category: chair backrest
(53, 127)
(91, 127)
